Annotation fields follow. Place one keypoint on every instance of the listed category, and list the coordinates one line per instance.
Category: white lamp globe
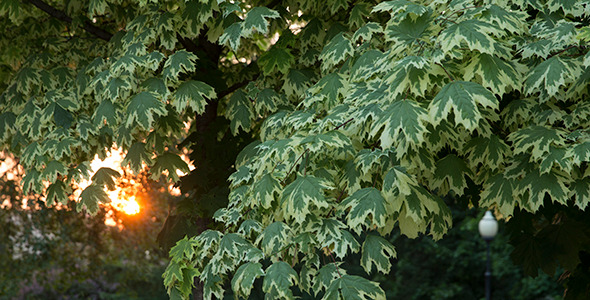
(488, 226)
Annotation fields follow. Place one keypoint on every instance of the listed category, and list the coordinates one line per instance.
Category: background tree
(363, 116)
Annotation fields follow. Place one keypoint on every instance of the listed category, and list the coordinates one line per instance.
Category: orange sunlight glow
(123, 199)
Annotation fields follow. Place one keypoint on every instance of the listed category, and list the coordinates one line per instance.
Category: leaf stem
(450, 77)
(334, 261)
(293, 166)
(343, 124)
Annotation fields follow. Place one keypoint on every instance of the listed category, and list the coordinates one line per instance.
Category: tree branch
(60, 15)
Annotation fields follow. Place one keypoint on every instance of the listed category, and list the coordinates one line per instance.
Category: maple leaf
(490, 151)
(337, 50)
(274, 237)
(355, 288)
(90, 197)
(303, 195)
(499, 190)
(549, 76)
(462, 98)
(539, 138)
(495, 73)
(231, 35)
(362, 204)
(403, 124)
(180, 62)
(450, 174)
(52, 169)
(57, 192)
(377, 251)
(184, 249)
(32, 182)
(243, 279)
(142, 109)
(256, 19)
(266, 190)
(105, 177)
(170, 163)
(280, 276)
(476, 34)
(192, 93)
(276, 58)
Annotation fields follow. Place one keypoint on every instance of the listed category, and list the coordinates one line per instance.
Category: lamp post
(488, 227)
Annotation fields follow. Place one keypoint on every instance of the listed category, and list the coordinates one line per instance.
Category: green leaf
(302, 196)
(410, 74)
(474, 33)
(143, 108)
(276, 58)
(377, 251)
(274, 238)
(231, 36)
(173, 270)
(256, 19)
(183, 250)
(580, 189)
(450, 175)
(266, 190)
(136, 157)
(539, 138)
(90, 197)
(7, 121)
(179, 62)
(462, 98)
(326, 275)
(362, 204)
(332, 237)
(549, 76)
(168, 162)
(192, 94)
(403, 124)
(105, 177)
(52, 169)
(337, 50)
(495, 73)
(538, 184)
(105, 114)
(243, 279)
(32, 182)
(354, 287)
(278, 280)
(57, 192)
(499, 190)
(488, 151)
(239, 111)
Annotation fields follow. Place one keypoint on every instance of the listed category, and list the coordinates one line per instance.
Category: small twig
(561, 51)
(60, 15)
(293, 166)
(450, 77)
(343, 124)
(334, 260)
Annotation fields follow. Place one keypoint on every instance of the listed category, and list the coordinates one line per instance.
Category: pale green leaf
(256, 19)
(274, 237)
(352, 287)
(462, 98)
(192, 94)
(243, 279)
(280, 276)
(170, 164)
(106, 177)
(143, 108)
(367, 209)
(377, 252)
(302, 196)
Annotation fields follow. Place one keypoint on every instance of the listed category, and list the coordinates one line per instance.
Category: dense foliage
(363, 115)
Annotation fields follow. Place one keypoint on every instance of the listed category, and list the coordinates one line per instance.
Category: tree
(351, 119)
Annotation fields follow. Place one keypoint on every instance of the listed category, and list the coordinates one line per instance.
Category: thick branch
(60, 15)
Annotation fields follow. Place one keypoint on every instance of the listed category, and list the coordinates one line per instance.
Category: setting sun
(128, 206)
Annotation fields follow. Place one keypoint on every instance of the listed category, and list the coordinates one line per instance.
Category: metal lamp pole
(488, 227)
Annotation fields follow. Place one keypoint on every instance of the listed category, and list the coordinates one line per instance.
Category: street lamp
(488, 227)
